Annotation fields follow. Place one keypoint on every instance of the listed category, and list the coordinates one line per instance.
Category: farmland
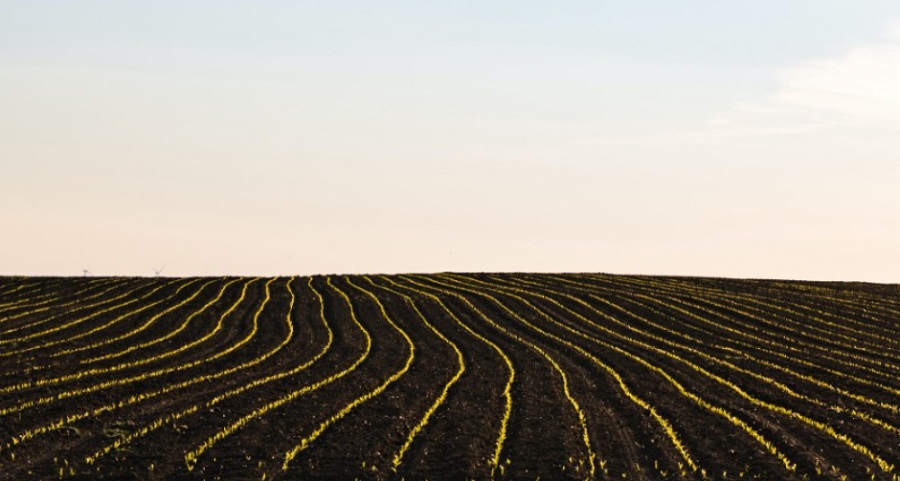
(448, 377)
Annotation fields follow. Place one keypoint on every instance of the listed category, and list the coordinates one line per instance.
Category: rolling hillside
(448, 377)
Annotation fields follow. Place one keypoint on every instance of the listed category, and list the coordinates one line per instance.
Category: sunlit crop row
(64, 303)
(126, 299)
(38, 297)
(103, 343)
(590, 456)
(324, 425)
(397, 459)
(632, 363)
(714, 322)
(494, 462)
(745, 353)
(171, 417)
(819, 425)
(826, 340)
(67, 394)
(776, 325)
(664, 423)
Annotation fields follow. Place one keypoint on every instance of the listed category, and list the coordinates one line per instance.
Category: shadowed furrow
(448, 376)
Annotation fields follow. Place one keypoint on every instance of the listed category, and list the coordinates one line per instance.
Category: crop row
(448, 376)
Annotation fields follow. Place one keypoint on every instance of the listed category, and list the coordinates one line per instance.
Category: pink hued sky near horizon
(217, 138)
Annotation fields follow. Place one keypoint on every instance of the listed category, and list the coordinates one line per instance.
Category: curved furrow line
(494, 460)
(230, 393)
(191, 457)
(16, 285)
(882, 355)
(583, 437)
(65, 326)
(311, 437)
(801, 351)
(55, 380)
(67, 422)
(172, 417)
(744, 351)
(855, 336)
(880, 322)
(22, 317)
(37, 292)
(749, 349)
(734, 420)
(590, 457)
(137, 398)
(893, 408)
(173, 333)
(829, 407)
(846, 292)
(664, 423)
(69, 303)
(34, 292)
(885, 308)
(865, 451)
(106, 342)
(768, 337)
(397, 458)
(26, 365)
(861, 310)
(80, 391)
(799, 356)
(870, 319)
(801, 328)
(664, 377)
(855, 352)
(885, 466)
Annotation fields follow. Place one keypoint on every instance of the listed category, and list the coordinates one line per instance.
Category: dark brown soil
(341, 378)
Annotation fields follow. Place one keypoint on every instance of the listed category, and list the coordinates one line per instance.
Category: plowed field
(448, 377)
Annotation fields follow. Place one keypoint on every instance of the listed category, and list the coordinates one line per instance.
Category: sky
(709, 138)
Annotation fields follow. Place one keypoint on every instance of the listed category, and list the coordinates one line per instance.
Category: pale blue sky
(753, 139)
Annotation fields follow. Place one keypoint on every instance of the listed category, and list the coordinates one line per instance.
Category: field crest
(448, 377)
